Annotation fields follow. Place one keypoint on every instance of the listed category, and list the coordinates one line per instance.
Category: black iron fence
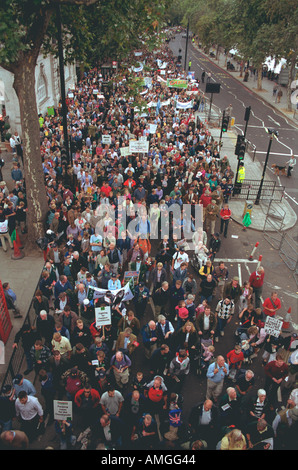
(249, 190)
(18, 355)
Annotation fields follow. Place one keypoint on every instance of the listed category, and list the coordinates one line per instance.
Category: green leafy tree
(23, 28)
(28, 27)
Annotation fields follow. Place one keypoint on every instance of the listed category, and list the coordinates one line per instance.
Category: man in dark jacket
(204, 422)
(110, 432)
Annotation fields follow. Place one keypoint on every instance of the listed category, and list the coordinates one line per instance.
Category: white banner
(152, 104)
(161, 65)
(138, 146)
(187, 105)
(124, 293)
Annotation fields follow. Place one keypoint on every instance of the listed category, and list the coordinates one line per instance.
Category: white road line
(241, 260)
(275, 153)
(271, 118)
(239, 274)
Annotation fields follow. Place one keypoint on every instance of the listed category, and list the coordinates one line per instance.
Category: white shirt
(30, 409)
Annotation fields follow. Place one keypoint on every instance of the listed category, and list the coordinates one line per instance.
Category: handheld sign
(103, 316)
(273, 326)
(62, 409)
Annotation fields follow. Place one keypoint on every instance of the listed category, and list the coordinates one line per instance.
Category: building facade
(47, 86)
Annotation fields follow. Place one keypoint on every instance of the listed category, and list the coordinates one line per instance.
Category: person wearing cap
(114, 283)
(140, 266)
(19, 384)
(139, 193)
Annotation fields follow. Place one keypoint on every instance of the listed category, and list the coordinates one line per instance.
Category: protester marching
(131, 300)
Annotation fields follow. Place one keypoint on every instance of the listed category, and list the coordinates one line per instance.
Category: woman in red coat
(225, 215)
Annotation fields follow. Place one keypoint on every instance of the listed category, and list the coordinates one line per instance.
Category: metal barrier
(280, 240)
(18, 355)
(270, 191)
(288, 252)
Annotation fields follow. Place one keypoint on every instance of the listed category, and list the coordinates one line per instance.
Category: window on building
(41, 87)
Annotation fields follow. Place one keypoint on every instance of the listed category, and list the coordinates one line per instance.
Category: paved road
(262, 115)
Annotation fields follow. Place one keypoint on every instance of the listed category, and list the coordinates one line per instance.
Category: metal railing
(18, 355)
(270, 191)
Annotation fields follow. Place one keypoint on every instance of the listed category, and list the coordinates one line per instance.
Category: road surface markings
(235, 260)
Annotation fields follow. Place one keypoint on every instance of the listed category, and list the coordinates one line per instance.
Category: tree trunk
(259, 83)
(291, 78)
(24, 85)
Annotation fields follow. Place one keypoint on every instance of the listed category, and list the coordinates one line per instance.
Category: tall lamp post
(186, 45)
(62, 83)
(272, 133)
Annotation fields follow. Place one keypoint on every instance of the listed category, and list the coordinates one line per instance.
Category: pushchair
(198, 260)
(202, 362)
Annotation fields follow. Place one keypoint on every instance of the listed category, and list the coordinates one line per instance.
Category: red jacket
(205, 200)
(256, 279)
(94, 396)
(268, 304)
(225, 214)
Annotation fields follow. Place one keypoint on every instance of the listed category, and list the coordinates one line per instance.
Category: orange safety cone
(18, 240)
(287, 320)
(17, 253)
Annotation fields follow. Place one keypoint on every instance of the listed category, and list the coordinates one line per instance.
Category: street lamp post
(272, 133)
(186, 45)
(62, 83)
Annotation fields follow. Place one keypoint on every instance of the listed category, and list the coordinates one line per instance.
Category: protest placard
(103, 316)
(273, 326)
(62, 409)
(138, 146)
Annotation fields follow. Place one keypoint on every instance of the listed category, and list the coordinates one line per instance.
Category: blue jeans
(221, 323)
(6, 425)
(209, 299)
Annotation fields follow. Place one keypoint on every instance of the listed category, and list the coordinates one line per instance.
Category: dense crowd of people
(125, 379)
